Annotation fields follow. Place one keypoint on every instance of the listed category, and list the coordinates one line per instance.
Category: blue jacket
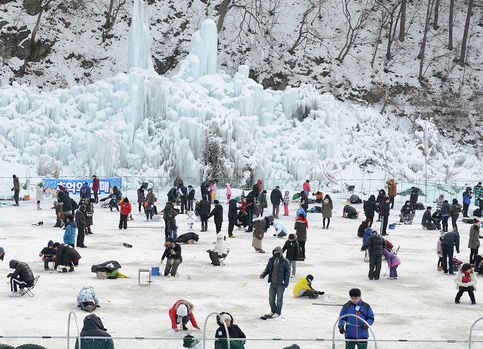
(445, 209)
(69, 235)
(352, 323)
(467, 196)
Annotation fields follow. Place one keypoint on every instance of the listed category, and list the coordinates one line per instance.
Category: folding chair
(28, 290)
(222, 259)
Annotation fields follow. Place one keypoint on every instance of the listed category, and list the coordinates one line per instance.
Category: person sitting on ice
(181, 313)
(219, 250)
(225, 321)
(48, 254)
(87, 299)
(303, 288)
(172, 253)
(21, 277)
(407, 213)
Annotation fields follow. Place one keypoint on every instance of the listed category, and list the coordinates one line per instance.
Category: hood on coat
(376, 234)
(385, 252)
(92, 322)
(279, 249)
(270, 219)
(368, 231)
(13, 263)
(83, 208)
(259, 181)
(468, 188)
(372, 198)
(50, 243)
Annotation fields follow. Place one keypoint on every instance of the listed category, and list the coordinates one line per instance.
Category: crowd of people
(247, 212)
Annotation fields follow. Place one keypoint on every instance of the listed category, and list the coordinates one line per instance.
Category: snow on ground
(417, 306)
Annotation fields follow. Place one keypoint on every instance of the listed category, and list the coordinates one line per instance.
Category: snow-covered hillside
(206, 123)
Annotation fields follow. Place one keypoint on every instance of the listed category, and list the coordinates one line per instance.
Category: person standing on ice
(376, 244)
(384, 212)
(16, 189)
(203, 210)
(455, 213)
(141, 197)
(95, 188)
(217, 214)
(327, 208)
(355, 330)
(213, 190)
(178, 182)
(228, 192)
(413, 198)
(370, 209)
(449, 241)
(306, 188)
(149, 204)
(38, 194)
(278, 271)
(391, 191)
(276, 199)
(286, 202)
(466, 201)
(80, 220)
(474, 240)
(257, 188)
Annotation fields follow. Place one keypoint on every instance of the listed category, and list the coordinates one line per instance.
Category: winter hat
(475, 221)
(225, 316)
(310, 277)
(182, 310)
(220, 236)
(216, 202)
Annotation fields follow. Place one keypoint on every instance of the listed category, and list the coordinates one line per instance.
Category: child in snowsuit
(70, 230)
(465, 282)
(286, 202)
(48, 254)
(292, 248)
(87, 299)
(125, 211)
(392, 262)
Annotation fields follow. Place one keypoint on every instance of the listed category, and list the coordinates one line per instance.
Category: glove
(40, 254)
(341, 329)
(363, 326)
(208, 251)
(9, 275)
(320, 292)
(78, 305)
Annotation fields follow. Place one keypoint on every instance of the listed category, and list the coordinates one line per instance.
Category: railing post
(356, 316)
(471, 331)
(204, 330)
(68, 330)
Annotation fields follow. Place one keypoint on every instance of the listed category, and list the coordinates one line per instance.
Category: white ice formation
(202, 121)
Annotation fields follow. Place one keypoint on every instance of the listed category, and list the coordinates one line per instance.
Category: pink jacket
(228, 189)
(306, 186)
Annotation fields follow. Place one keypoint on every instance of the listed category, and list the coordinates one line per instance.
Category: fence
(72, 341)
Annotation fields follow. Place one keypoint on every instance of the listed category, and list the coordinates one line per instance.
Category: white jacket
(220, 247)
(459, 277)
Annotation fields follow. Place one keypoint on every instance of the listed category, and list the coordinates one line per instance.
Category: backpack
(477, 212)
(354, 199)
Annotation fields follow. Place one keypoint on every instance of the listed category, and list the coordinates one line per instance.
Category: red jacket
(95, 184)
(125, 208)
(172, 313)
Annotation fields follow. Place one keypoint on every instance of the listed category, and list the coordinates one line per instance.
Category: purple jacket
(392, 259)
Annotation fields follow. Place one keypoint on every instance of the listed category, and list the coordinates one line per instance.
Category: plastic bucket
(155, 271)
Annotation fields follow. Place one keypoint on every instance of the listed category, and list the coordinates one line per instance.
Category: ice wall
(139, 54)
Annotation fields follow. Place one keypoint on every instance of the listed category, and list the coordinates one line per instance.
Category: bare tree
(111, 16)
(402, 22)
(450, 25)
(43, 7)
(355, 24)
(436, 14)
(305, 29)
(425, 36)
(465, 34)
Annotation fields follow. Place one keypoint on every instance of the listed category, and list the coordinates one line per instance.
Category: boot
(58, 223)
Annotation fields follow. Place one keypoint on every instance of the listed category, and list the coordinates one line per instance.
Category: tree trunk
(436, 15)
(222, 10)
(37, 24)
(450, 26)
(425, 36)
(465, 34)
(402, 24)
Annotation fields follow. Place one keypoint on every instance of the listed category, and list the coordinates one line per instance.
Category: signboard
(51, 186)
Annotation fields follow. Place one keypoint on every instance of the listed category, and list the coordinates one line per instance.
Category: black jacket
(217, 213)
(167, 252)
(80, 217)
(451, 239)
(93, 327)
(426, 218)
(204, 208)
(22, 272)
(276, 197)
(184, 238)
(191, 194)
(65, 199)
(233, 209)
(168, 209)
(65, 255)
(234, 332)
(370, 206)
(413, 198)
(376, 243)
(292, 248)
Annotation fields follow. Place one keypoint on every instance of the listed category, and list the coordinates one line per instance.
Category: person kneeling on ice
(233, 332)
(181, 313)
(350, 212)
(280, 229)
(172, 253)
(393, 262)
(93, 327)
(303, 288)
(87, 299)
(22, 277)
(465, 282)
(66, 256)
(278, 271)
(355, 329)
(218, 251)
